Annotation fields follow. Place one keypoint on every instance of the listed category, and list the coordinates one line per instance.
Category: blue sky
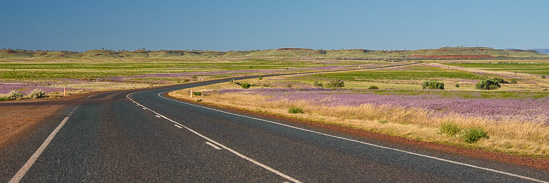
(248, 25)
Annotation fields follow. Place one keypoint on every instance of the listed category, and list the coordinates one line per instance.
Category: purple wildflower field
(525, 110)
(27, 87)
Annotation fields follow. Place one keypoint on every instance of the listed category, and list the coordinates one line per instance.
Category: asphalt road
(142, 136)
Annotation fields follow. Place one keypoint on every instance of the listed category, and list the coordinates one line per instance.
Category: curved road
(142, 136)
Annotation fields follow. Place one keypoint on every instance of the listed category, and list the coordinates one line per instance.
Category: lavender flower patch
(274, 91)
(6, 88)
(523, 109)
(26, 88)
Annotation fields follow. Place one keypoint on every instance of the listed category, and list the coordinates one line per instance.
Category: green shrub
(260, 77)
(37, 93)
(289, 85)
(318, 84)
(295, 110)
(246, 85)
(474, 134)
(336, 84)
(186, 80)
(433, 85)
(457, 85)
(543, 77)
(383, 122)
(449, 128)
(500, 80)
(197, 93)
(514, 81)
(3, 98)
(373, 87)
(488, 84)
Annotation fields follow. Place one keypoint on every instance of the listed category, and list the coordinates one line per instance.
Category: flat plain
(381, 92)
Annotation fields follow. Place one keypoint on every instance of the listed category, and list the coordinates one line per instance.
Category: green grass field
(101, 68)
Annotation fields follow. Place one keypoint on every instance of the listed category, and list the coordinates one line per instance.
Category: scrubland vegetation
(498, 103)
(54, 75)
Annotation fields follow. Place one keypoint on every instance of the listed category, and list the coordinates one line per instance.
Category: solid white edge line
(21, 173)
(214, 146)
(225, 147)
(365, 143)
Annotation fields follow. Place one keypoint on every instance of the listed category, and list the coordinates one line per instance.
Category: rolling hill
(441, 53)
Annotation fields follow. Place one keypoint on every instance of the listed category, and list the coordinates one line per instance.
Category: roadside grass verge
(526, 139)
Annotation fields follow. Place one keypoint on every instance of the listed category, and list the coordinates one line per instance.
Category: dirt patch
(17, 117)
(15, 120)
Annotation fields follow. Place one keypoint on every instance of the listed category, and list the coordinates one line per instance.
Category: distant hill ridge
(441, 53)
(542, 51)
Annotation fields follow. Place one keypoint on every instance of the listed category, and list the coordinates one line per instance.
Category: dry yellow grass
(508, 136)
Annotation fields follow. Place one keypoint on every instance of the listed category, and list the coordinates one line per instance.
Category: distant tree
(336, 84)
(433, 85)
(488, 84)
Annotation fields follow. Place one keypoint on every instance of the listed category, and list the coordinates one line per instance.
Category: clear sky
(248, 25)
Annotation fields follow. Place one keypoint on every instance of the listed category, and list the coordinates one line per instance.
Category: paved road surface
(143, 136)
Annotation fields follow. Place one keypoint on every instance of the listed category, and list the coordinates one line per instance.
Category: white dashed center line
(217, 144)
(214, 146)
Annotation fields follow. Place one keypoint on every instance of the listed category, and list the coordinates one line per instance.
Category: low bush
(336, 84)
(474, 134)
(433, 85)
(488, 84)
(295, 110)
(260, 77)
(450, 129)
(500, 80)
(197, 93)
(543, 77)
(37, 93)
(383, 122)
(245, 85)
(457, 85)
(186, 80)
(373, 87)
(289, 85)
(194, 78)
(14, 94)
(513, 81)
(318, 84)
